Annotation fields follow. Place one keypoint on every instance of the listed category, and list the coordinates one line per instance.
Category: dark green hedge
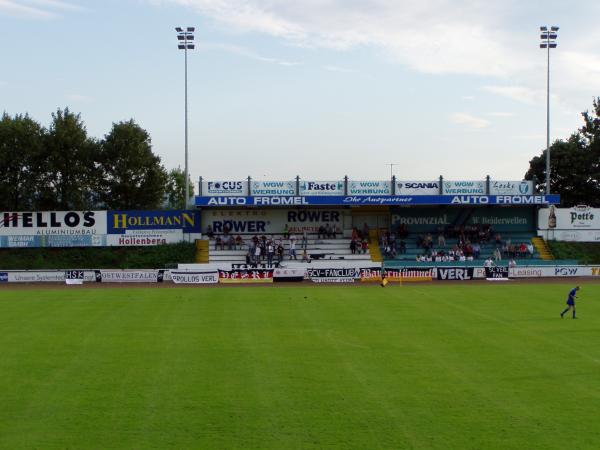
(158, 257)
(584, 252)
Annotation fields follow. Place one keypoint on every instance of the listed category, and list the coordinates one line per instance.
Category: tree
(69, 176)
(176, 188)
(21, 144)
(574, 164)
(133, 175)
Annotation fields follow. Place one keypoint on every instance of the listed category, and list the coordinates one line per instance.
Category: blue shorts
(571, 302)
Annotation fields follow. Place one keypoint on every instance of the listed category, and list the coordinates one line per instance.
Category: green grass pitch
(445, 366)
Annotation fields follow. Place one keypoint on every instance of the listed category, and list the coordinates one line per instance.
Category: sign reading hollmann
(417, 188)
(122, 222)
(273, 188)
(321, 188)
(369, 188)
(53, 223)
(464, 187)
(224, 188)
(511, 187)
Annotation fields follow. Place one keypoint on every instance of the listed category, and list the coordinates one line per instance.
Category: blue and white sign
(273, 188)
(417, 187)
(369, 188)
(357, 200)
(464, 188)
(511, 187)
(321, 188)
(225, 187)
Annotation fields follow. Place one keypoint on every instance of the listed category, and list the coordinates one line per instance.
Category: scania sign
(417, 187)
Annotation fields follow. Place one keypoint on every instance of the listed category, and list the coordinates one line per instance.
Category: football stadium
(227, 258)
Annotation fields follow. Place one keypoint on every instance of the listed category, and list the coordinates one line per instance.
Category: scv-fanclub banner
(194, 277)
(346, 275)
(130, 276)
(246, 276)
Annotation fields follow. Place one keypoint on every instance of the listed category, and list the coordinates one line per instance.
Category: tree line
(574, 164)
(62, 168)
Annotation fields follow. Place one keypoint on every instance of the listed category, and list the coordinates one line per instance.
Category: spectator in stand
(304, 240)
(530, 249)
(270, 252)
(497, 254)
(286, 231)
(280, 252)
(239, 242)
(489, 262)
(365, 232)
(334, 231)
(512, 263)
(257, 253)
(476, 250)
(209, 232)
(230, 242)
(305, 257)
(441, 240)
(353, 246)
(365, 246)
(218, 243)
(293, 246)
(321, 232)
(327, 230)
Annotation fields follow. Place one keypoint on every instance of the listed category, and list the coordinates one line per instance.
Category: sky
(316, 88)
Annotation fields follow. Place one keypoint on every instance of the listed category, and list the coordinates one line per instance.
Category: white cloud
(79, 98)
(36, 9)
(338, 69)
(469, 121)
(521, 94)
(501, 114)
(247, 53)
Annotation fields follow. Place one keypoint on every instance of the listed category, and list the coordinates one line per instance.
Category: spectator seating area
(416, 251)
(241, 249)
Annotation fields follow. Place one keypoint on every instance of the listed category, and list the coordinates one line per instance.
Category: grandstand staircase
(374, 248)
(542, 248)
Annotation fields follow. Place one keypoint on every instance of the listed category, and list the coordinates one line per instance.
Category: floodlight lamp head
(554, 28)
(179, 29)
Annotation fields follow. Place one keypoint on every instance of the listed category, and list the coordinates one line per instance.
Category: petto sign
(511, 187)
(321, 188)
(464, 187)
(225, 188)
(417, 187)
(273, 188)
(369, 188)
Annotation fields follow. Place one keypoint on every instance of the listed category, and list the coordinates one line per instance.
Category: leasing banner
(194, 277)
(246, 276)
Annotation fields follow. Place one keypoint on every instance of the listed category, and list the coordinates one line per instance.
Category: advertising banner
(194, 277)
(63, 223)
(511, 187)
(273, 188)
(372, 200)
(260, 221)
(417, 187)
(130, 276)
(464, 188)
(404, 274)
(283, 274)
(144, 238)
(496, 273)
(74, 276)
(321, 188)
(369, 187)
(580, 217)
(39, 276)
(225, 188)
(122, 222)
(340, 275)
(246, 276)
(455, 273)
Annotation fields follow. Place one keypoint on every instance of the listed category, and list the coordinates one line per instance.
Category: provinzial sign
(273, 188)
(511, 187)
(417, 187)
(464, 188)
(224, 187)
(194, 277)
(369, 187)
(321, 188)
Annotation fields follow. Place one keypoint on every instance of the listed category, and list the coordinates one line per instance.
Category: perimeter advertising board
(225, 187)
(498, 187)
(321, 188)
(369, 188)
(273, 188)
(580, 223)
(261, 221)
(417, 187)
(56, 223)
(464, 188)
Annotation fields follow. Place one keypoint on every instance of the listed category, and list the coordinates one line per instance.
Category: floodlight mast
(548, 40)
(185, 42)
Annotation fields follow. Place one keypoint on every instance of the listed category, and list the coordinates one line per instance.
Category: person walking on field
(571, 302)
